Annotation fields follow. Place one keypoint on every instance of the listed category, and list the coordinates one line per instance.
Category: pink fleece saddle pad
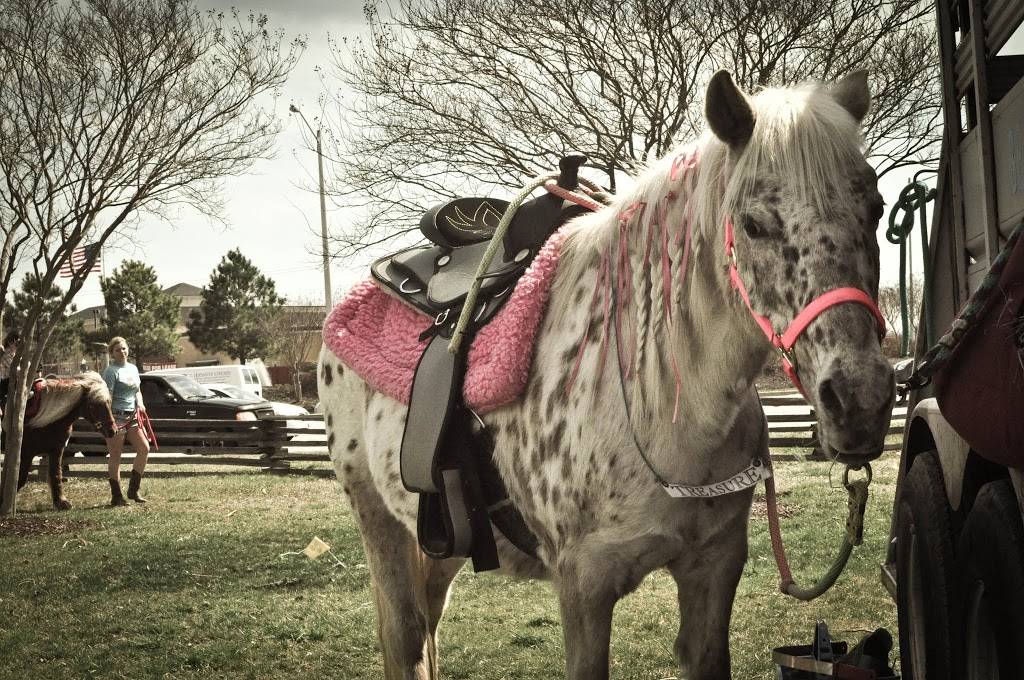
(377, 336)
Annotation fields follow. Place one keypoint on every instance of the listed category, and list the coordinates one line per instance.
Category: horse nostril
(828, 397)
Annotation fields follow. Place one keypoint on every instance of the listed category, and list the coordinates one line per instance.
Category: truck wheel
(924, 572)
(991, 570)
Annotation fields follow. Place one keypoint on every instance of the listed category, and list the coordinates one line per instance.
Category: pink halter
(785, 342)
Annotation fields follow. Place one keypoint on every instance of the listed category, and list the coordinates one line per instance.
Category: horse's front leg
(590, 579)
(60, 501)
(706, 582)
(586, 626)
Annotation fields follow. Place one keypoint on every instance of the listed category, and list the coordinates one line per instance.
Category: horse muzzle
(108, 431)
(855, 400)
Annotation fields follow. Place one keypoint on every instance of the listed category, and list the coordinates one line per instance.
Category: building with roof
(94, 319)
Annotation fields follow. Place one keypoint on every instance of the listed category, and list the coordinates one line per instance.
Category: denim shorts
(126, 420)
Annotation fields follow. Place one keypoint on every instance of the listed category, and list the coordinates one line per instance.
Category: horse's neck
(695, 324)
(689, 334)
(56, 405)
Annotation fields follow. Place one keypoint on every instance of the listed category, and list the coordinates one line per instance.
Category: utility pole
(323, 207)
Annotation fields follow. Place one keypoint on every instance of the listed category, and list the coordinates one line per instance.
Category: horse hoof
(63, 504)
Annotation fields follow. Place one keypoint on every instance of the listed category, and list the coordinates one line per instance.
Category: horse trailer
(955, 560)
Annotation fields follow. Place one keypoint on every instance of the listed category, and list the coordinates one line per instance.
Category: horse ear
(728, 110)
(853, 94)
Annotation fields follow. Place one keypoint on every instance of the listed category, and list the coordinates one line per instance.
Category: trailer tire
(991, 572)
(925, 574)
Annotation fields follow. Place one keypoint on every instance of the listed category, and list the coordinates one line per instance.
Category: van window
(250, 376)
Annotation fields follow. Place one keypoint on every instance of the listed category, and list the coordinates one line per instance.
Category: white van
(245, 377)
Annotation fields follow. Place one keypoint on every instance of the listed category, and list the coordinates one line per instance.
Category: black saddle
(436, 278)
(446, 451)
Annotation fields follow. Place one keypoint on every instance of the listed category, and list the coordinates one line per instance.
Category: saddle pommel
(569, 170)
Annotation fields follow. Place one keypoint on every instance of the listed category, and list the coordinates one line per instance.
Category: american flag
(79, 256)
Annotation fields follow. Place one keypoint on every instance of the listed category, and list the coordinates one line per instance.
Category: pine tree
(66, 339)
(237, 311)
(140, 311)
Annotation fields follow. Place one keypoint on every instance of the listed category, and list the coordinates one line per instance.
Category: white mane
(801, 135)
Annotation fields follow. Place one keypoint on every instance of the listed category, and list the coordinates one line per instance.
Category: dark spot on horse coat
(328, 374)
(352, 444)
(330, 440)
(330, 420)
(556, 437)
(347, 467)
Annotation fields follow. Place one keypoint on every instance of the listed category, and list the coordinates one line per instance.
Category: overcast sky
(271, 214)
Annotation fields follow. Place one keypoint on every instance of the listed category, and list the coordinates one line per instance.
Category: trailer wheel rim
(982, 645)
(918, 610)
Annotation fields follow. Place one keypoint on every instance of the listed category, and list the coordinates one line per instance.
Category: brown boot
(133, 487)
(116, 499)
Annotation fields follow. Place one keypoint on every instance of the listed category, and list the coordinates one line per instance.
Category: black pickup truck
(178, 396)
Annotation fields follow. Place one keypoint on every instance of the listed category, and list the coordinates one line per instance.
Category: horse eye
(752, 227)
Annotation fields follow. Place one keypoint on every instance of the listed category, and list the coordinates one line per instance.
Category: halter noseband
(785, 342)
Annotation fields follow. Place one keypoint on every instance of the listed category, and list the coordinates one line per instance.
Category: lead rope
(853, 536)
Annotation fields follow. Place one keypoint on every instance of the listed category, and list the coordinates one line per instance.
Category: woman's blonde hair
(113, 341)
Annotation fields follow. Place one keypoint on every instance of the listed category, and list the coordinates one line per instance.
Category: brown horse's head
(95, 404)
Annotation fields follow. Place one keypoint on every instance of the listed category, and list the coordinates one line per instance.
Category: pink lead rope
(785, 343)
(147, 429)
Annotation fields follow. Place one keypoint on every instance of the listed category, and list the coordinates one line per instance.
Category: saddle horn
(569, 169)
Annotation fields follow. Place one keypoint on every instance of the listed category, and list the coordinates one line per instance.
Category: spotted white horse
(786, 168)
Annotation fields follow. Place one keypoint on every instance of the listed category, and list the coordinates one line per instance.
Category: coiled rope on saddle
(595, 200)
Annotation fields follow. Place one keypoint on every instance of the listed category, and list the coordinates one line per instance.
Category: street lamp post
(323, 207)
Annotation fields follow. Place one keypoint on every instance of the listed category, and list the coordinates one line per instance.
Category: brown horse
(61, 403)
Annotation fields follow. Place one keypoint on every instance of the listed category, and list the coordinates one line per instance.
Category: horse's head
(95, 404)
(804, 208)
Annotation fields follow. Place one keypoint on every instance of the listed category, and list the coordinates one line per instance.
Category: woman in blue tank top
(122, 379)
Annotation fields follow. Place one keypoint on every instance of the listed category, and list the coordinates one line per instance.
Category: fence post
(275, 434)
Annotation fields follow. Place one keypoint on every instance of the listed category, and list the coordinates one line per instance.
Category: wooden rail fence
(298, 445)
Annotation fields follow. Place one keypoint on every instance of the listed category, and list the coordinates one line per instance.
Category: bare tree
(111, 108)
(891, 305)
(297, 328)
(452, 95)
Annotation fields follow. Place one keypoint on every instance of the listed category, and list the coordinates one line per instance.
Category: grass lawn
(196, 585)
